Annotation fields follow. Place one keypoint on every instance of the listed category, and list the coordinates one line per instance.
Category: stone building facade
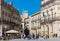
(9, 18)
(47, 21)
(51, 13)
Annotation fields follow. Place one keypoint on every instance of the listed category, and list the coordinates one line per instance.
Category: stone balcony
(8, 19)
(50, 19)
(33, 20)
(46, 19)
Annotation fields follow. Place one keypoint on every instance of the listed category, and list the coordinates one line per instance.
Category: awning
(12, 31)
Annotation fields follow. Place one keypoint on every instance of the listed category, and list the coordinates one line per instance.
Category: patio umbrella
(12, 31)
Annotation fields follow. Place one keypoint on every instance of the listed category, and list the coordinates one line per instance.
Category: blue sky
(32, 6)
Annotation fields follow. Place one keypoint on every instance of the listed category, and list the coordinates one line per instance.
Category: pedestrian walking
(33, 36)
(26, 32)
(37, 36)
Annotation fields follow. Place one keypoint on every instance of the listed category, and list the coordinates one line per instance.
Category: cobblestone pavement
(51, 39)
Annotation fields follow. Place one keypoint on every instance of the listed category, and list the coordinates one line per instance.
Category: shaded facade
(9, 18)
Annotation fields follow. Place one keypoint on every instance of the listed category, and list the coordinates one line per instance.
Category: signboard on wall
(0, 30)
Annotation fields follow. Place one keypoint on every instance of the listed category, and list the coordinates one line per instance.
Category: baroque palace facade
(9, 18)
(46, 22)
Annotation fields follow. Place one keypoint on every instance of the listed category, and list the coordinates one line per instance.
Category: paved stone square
(51, 39)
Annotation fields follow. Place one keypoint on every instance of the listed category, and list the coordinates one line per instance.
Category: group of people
(25, 35)
(30, 36)
(9, 37)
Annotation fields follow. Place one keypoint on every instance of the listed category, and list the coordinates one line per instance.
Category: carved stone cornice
(48, 2)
